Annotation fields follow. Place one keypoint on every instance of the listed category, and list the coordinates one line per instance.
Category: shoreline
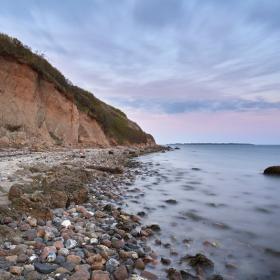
(71, 224)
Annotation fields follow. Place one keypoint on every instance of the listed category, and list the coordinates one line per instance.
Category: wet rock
(216, 277)
(154, 227)
(139, 264)
(272, 170)
(230, 266)
(45, 268)
(171, 201)
(141, 214)
(165, 261)
(173, 274)
(199, 260)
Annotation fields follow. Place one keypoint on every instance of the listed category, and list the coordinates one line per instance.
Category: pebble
(17, 270)
(32, 221)
(45, 268)
(139, 264)
(70, 244)
(66, 223)
(74, 259)
(63, 252)
(111, 265)
(51, 257)
(121, 273)
(100, 275)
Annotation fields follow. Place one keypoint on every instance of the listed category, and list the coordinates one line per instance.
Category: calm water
(226, 208)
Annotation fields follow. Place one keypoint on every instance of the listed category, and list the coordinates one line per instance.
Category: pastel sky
(185, 70)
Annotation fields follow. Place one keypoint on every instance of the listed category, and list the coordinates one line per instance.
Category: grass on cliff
(113, 121)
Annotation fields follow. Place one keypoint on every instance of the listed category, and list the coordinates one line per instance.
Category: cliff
(39, 106)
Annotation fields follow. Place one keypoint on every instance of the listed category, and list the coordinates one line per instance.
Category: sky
(184, 70)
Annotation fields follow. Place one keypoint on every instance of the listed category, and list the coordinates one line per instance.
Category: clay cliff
(40, 107)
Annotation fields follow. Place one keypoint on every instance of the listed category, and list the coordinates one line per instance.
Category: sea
(212, 199)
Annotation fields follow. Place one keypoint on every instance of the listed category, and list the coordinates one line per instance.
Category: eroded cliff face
(33, 112)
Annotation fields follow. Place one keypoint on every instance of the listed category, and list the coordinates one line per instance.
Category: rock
(32, 275)
(12, 259)
(17, 270)
(121, 273)
(32, 221)
(69, 266)
(7, 234)
(33, 258)
(171, 201)
(62, 270)
(5, 275)
(100, 275)
(22, 258)
(141, 214)
(173, 274)
(28, 267)
(47, 251)
(165, 261)
(216, 277)
(111, 265)
(199, 260)
(136, 277)
(60, 260)
(63, 252)
(58, 245)
(117, 243)
(45, 268)
(272, 170)
(51, 257)
(5, 264)
(139, 264)
(154, 227)
(74, 259)
(81, 275)
(148, 275)
(66, 223)
(70, 243)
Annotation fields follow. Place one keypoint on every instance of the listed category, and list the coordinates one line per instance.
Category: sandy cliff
(33, 111)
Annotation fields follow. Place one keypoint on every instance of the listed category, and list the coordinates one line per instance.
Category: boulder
(272, 170)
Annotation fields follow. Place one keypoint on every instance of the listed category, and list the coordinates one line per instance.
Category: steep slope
(39, 106)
